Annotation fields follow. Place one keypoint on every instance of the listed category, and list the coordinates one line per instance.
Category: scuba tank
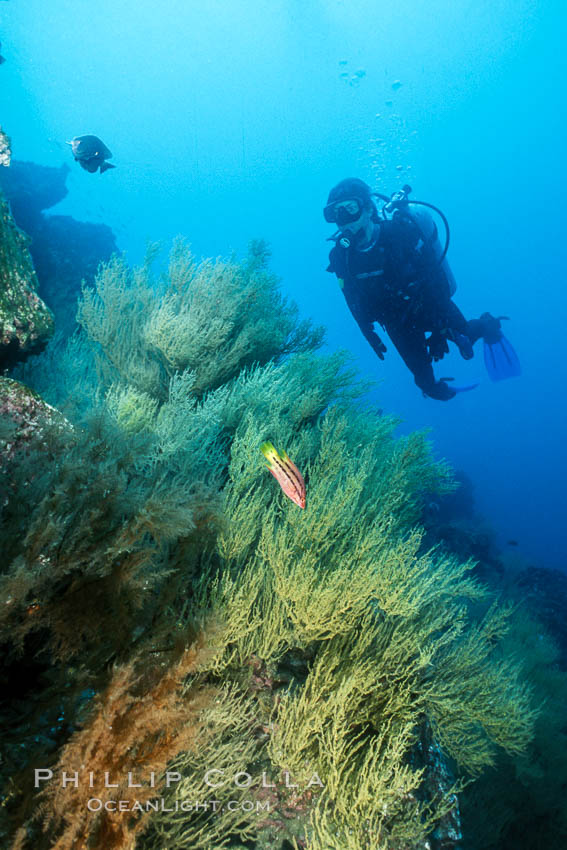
(399, 205)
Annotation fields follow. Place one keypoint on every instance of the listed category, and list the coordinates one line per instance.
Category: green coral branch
(376, 638)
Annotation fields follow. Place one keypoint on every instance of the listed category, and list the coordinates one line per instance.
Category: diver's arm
(366, 326)
(337, 266)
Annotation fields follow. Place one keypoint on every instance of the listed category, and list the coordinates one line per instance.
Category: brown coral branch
(138, 724)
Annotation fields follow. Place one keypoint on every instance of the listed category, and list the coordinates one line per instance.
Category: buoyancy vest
(396, 276)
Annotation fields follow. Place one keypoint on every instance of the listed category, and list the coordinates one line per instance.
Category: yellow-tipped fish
(286, 474)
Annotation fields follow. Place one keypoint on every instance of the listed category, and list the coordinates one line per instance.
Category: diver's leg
(412, 347)
(443, 317)
(487, 327)
(455, 319)
(460, 331)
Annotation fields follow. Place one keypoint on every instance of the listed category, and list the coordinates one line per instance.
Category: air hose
(398, 200)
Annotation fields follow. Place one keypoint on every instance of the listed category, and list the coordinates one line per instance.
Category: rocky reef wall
(65, 252)
(26, 323)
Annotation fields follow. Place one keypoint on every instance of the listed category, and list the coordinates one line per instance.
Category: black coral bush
(331, 642)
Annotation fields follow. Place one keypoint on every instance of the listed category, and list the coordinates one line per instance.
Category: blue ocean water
(231, 119)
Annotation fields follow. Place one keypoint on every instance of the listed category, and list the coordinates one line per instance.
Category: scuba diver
(393, 271)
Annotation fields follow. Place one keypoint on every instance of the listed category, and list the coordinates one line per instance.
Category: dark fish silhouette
(91, 153)
(1, 57)
(512, 542)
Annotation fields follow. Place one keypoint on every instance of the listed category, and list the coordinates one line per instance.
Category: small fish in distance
(286, 474)
(91, 153)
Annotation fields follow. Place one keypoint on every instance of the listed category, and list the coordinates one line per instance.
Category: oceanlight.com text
(95, 804)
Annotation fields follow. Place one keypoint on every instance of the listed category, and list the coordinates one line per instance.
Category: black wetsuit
(398, 282)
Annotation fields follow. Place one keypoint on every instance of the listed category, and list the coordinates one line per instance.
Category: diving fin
(466, 388)
(462, 388)
(500, 359)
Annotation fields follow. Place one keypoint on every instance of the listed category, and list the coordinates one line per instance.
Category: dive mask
(343, 212)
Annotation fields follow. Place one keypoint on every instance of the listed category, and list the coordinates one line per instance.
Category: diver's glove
(381, 350)
(437, 345)
(377, 345)
(464, 345)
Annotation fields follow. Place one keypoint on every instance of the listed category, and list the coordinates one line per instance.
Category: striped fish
(286, 474)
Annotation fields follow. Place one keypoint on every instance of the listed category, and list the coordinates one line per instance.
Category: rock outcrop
(65, 252)
(26, 323)
(23, 413)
